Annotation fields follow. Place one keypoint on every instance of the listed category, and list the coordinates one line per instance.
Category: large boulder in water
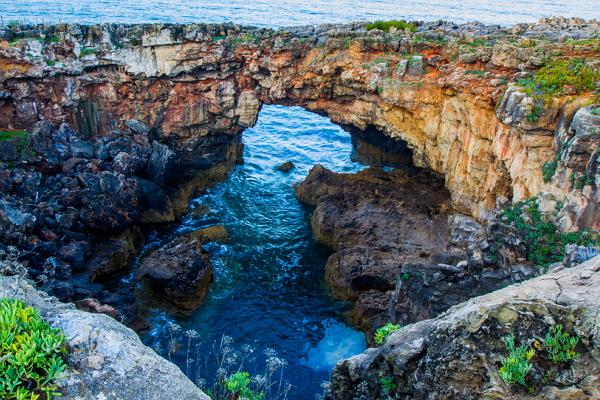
(180, 270)
(106, 360)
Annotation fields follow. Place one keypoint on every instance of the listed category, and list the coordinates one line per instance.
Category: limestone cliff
(442, 89)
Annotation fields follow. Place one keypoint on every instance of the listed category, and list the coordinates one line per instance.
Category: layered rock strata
(436, 88)
(151, 105)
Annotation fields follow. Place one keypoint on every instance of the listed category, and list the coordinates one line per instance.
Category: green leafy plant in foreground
(238, 384)
(31, 353)
(560, 346)
(517, 364)
(384, 332)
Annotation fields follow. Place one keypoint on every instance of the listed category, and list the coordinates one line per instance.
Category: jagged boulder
(106, 360)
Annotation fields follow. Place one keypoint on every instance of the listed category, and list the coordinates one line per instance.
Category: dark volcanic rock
(456, 356)
(180, 271)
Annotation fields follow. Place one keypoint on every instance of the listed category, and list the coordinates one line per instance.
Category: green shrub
(517, 365)
(86, 51)
(543, 240)
(8, 135)
(583, 180)
(595, 111)
(238, 384)
(386, 25)
(31, 353)
(560, 346)
(549, 80)
(535, 114)
(549, 169)
(384, 332)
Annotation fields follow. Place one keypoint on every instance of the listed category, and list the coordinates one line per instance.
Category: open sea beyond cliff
(277, 13)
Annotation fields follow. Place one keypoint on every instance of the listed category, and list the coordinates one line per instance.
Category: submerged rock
(106, 360)
(286, 166)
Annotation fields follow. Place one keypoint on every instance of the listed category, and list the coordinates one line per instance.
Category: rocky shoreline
(108, 130)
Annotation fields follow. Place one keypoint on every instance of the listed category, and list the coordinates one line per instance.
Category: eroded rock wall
(436, 89)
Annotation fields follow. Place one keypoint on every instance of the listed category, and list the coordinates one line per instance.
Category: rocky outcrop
(106, 360)
(152, 105)
(436, 89)
(180, 271)
(401, 254)
(457, 355)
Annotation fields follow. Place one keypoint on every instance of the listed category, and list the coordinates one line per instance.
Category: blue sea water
(269, 290)
(277, 13)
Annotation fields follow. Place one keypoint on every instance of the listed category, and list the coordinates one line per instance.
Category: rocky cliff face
(457, 355)
(436, 89)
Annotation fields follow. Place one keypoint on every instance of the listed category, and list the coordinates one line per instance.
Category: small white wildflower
(201, 383)
(157, 348)
(274, 363)
(226, 340)
(191, 334)
(174, 328)
(269, 352)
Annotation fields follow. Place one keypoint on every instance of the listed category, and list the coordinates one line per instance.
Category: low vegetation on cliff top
(31, 353)
(553, 78)
(386, 25)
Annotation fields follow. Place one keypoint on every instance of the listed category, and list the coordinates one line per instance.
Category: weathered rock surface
(106, 359)
(457, 355)
(180, 271)
(211, 80)
(401, 254)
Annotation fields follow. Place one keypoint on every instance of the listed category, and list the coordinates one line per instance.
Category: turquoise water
(269, 290)
(276, 13)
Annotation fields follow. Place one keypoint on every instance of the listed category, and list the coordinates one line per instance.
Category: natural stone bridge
(198, 86)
